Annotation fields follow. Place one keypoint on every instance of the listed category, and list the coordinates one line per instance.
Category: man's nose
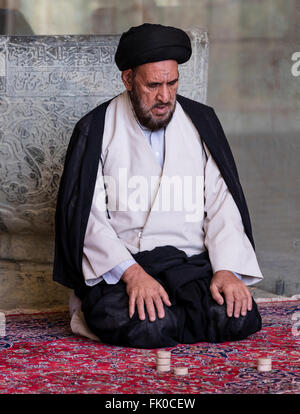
(163, 94)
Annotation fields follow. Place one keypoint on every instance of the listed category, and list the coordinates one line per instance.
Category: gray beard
(144, 116)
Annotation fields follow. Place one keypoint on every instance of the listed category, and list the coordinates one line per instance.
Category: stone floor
(260, 293)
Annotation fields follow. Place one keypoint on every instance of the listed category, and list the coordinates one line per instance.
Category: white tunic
(129, 162)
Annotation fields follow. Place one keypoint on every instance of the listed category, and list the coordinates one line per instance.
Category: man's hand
(237, 296)
(142, 290)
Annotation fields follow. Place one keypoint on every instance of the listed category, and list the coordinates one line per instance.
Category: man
(147, 276)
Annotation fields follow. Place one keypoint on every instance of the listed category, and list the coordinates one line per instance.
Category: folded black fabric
(193, 317)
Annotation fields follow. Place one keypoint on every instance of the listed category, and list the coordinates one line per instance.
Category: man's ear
(127, 79)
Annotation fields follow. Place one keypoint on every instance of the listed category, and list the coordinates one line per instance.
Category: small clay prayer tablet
(163, 361)
(264, 364)
(163, 354)
(163, 368)
(181, 370)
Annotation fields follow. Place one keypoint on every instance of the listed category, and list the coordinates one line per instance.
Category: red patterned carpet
(41, 355)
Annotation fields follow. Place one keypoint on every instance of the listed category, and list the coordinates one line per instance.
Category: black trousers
(193, 317)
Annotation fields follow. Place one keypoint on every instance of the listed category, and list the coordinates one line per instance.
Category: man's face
(153, 89)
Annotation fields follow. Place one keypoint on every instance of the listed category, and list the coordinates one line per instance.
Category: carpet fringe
(28, 311)
(278, 299)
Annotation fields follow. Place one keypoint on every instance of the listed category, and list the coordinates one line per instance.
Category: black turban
(152, 43)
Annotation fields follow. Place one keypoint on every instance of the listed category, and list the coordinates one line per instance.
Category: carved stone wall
(47, 83)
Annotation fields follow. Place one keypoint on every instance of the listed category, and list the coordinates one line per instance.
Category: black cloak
(78, 180)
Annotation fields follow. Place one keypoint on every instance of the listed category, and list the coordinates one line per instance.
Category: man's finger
(159, 306)
(249, 300)
(131, 305)
(141, 308)
(216, 294)
(237, 305)
(229, 303)
(150, 309)
(244, 305)
(165, 297)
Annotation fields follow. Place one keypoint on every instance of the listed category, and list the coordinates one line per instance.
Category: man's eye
(153, 85)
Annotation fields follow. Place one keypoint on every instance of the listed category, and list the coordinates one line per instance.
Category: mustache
(162, 105)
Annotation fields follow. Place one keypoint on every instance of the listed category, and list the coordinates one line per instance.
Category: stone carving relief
(46, 84)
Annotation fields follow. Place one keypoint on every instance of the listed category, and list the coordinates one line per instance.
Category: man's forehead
(156, 70)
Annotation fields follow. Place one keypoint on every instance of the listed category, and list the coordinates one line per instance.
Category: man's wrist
(114, 275)
(226, 273)
(237, 275)
(130, 272)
